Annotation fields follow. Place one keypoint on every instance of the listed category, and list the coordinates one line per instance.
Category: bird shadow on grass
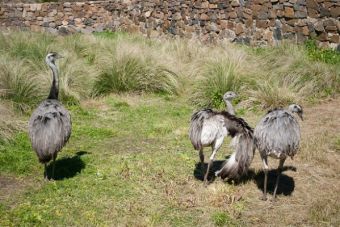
(217, 165)
(200, 170)
(67, 167)
(286, 183)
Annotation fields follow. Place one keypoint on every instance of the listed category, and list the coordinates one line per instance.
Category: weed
(221, 219)
(325, 55)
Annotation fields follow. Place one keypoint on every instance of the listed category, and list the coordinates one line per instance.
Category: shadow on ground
(67, 167)
(286, 183)
(200, 170)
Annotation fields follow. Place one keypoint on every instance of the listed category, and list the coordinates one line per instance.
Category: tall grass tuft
(218, 78)
(109, 62)
(132, 74)
(27, 46)
(275, 92)
(18, 84)
(286, 74)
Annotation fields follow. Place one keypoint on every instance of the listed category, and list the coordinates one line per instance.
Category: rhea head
(295, 108)
(229, 95)
(51, 57)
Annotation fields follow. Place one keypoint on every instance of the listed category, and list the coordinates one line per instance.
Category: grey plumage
(195, 131)
(208, 128)
(50, 124)
(278, 135)
(239, 162)
(49, 129)
(198, 118)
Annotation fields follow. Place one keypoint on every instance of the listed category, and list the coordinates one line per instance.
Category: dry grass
(325, 212)
(311, 193)
(18, 84)
(140, 167)
(116, 62)
(321, 130)
(10, 124)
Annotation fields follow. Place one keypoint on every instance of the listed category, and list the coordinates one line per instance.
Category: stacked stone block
(255, 22)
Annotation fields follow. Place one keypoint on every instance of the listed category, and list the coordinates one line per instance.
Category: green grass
(129, 161)
(135, 161)
(221, 219)
(16, 156)
(325, 55)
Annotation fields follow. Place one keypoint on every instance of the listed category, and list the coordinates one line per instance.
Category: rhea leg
(45, 171)
(279, 171)
(216, 146)
(201, 157)
(53, 166)
(265, 169)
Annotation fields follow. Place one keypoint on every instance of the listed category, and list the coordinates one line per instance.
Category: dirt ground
(309, 191)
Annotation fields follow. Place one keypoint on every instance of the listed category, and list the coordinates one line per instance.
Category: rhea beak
(300, 115)
(59, 56)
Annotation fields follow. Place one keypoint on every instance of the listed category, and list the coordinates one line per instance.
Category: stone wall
(250, 21)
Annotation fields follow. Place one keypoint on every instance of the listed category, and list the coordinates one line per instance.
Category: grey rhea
(227, 98)
(50, 124)
(278, 135)
(208, 128)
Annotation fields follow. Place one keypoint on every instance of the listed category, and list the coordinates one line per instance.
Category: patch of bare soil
(310, 195)
(9, 186)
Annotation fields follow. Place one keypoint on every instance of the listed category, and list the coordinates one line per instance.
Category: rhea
(227, 98)
(50, 124)
(277, 135)
(209, 127)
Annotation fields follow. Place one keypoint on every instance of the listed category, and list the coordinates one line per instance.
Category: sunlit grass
(105, 63)
(18, 84)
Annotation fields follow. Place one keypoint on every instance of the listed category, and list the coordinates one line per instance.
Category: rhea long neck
(230, 107)
(54, 91)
